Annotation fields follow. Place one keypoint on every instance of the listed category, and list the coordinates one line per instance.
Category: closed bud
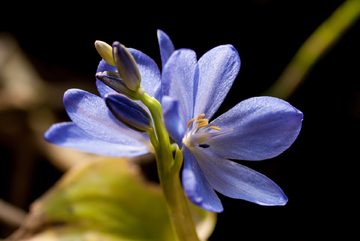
(105, 51)
(126, 65)
(113, 80)
(128, 112)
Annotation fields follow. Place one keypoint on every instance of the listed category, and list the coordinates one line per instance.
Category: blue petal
(197, 188)
(237, 181)
(263, 127)
(150, 73)
(172, 121)
(90, 113)
(218, 69)
(103, 88)
(179, 79)
(165, 45)
(67, 134)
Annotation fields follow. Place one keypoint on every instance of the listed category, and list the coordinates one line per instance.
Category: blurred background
(47, 49)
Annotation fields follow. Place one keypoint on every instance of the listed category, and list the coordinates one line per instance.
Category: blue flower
(255, 129)
(190, 92)
(94, 128)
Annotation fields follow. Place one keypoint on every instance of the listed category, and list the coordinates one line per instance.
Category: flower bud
(126, 65)
(105, 51)
(113, 80)
(128, 112)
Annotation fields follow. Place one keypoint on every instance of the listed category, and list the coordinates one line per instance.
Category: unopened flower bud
(126, 65)
(105, 51)
(113, 80)
(128, 112)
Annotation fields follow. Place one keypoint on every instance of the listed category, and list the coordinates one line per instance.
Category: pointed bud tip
(105, 51)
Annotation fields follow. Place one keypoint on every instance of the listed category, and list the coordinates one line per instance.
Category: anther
(190, 121)
(202, 125)
(202, 121)
(200, 116)
(215, 128)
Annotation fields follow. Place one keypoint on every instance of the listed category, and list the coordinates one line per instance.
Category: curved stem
(323, 38)
(168, 171)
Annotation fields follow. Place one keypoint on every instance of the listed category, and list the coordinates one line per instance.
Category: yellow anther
(200, 116)
(215, 128)
(202, 121)
(202, 125)
(190, 121)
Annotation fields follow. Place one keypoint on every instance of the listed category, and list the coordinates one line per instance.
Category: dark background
(315, 173)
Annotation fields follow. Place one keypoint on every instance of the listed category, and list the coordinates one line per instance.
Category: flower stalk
(168, 171)
(314, 48)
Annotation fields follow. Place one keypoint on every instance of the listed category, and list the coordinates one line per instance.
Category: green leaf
(107, 200)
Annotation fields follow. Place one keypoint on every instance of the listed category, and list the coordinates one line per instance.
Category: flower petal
(263, 127)
(103, 88)
(68, 134)
(150, 73)
(179, 79)
(218, 69)
(166, 46)
(197, 188)
(90, 113)
(172, 121)
(237, 181)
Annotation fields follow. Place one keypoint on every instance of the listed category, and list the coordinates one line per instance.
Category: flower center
(195, 137)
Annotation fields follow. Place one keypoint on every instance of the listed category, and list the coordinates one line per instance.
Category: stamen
(202, 125)
(202, 121)
(215, 128)
(200, 116)
(190, 121)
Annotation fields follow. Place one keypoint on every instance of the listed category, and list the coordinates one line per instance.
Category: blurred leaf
(106, 200)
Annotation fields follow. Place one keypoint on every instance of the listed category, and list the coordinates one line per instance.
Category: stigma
(196, 135)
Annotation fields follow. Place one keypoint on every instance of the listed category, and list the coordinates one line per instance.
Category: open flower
(255, 129)
(94, 128)
(190, 92)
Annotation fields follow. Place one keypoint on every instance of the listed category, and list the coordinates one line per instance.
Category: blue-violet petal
(218, 69)
(179, 81)
(237, 181)
(90, 113)
(166, 46)
(263, 127)
(67, 134)
(172, 121)
(196, 187)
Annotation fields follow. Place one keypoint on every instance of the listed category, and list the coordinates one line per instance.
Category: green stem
(323, 38)
(168, 171)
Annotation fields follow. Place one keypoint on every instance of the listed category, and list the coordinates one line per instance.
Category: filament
(215, 128)
(190, 121)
